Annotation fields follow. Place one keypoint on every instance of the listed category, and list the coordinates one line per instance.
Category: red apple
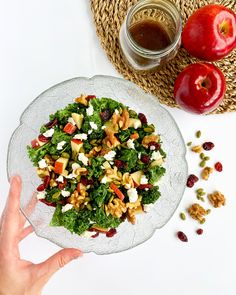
(69, 128)
(60, 165)
(210, 32)
(200, 88)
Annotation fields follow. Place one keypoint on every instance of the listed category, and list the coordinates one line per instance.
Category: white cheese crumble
(83, 159)
(116, 112)
(71, 120)
(152, 148)
(139, 155)
(104, 179)
(146, 189)
(82, 136)
(49, 133)
(137, 124)
(130, 144)
(156, 155)
(65, 194)
(147, 207)
(127, 185)
(104, 127)
(42, 164)
(143, 180)
(93, 125)
(89, 110)
(90, 131)
(110, 156)
(67, 207)
(60, 178)
(132, 194)
(71, 175)
(60, 145)
(41, 195)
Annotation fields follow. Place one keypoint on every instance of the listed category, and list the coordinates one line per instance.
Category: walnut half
(217, 199)
(197, 212)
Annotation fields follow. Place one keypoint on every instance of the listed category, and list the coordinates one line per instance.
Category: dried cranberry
(199, 231)
(145, 159)
(51, 123)
(85, 181)
(142, 118)
(48, 203)
(46, 181)
(143, 186)
(111, 233)
(119, 164)
(106, 115)
(191, 180)
(182, 236)
(41, 188)
(154, 144)
(95, 235)
(89, 97)
(43, 138)
(207, 146)
(61, 185)
(218, 167)
(63, 201)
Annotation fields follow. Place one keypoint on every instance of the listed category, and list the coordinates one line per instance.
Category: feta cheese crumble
(93, 125)
(104, 179)
(65, 194)
(139, 155)
(110, 156)
(130, 144)
(41, 195)
(82, 136)
(89, 110)
(143, 180)
(132, 194)
(71, 120)
(83, 159)
(60, 145)
(116, 112)
(148, 207)
(42, 164)
(156, 155)
(104, 127)
(60, 178)
(67, 207)
(90, 131)
(49, 133)
(75, 166)
(87, 234)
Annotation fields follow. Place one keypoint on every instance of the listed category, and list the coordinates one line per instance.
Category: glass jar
(145, 57)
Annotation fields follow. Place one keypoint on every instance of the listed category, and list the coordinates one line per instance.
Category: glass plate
(171, 186)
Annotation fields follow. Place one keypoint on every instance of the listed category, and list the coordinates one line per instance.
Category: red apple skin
(202, 36)
(200, 88)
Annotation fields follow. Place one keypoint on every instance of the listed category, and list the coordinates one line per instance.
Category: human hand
(17, 276)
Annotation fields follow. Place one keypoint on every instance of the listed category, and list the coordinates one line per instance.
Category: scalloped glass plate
(171, 186)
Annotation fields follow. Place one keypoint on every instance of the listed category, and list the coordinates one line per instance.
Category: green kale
(87, 146)
(105, 103)
(130, 157)
(155, 173)
(75, 222)
(101, 194)
(43, 129)
(133, 114)
(64, 114)
(101, 219)
(95, 168)
(36, 154)
(150, 196)
(124, 135)
(95, 118)
(53, 194)
(59, 136)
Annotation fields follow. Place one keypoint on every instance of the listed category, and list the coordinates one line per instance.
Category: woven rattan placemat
(108, 17)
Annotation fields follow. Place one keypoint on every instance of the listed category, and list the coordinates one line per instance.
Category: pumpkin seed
(202, 156)
(207, 158)
(202, 164)
(208, 211)
(65, 155)
(55, 157)
(203, 221)
(182, 216)
(56, 195)
(198, 134)
(189, 143)
(89, 207)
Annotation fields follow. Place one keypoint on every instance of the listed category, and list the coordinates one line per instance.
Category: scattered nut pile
(215, 199)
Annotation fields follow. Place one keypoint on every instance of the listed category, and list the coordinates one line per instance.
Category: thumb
(57, 261)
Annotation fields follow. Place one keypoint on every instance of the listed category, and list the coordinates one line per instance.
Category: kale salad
(99, 163)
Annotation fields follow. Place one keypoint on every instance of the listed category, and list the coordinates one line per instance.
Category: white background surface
(46, 42)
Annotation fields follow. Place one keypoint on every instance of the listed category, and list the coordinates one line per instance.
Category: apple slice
(35, 143)
(60, 165)
(78, 118)
(76, 145)
(136, 176)
(157, 162)
(69, 128)
(135, 123)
